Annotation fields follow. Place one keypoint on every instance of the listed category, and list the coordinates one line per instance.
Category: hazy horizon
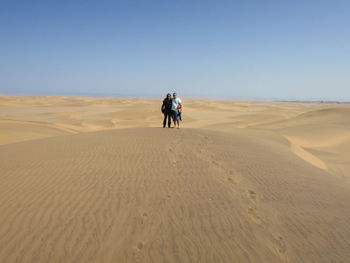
(271, 50)
(161, 96)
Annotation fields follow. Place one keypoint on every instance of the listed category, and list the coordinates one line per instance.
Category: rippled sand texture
(98, 180)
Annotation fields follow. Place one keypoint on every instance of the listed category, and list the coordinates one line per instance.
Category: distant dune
(99, 180)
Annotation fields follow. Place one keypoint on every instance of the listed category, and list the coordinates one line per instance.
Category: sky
(271, 49)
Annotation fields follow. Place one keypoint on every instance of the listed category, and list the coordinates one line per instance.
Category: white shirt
(176, 102)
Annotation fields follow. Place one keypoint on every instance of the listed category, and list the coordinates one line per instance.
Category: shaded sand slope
(321, 137)
(160, 195)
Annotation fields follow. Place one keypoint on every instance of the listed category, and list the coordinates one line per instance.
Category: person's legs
(169, 119)
(174, 113)
(164, 121)
(178, 119)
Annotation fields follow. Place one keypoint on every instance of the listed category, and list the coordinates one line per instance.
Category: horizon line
(133, 96)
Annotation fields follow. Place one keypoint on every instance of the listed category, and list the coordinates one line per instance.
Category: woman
(166, 109)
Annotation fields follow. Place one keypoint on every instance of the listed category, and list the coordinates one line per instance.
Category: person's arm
(163, 107)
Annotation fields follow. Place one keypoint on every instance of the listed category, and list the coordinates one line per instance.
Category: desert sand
(99, 180)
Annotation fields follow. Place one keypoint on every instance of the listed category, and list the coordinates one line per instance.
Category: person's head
(168, 96)
(174, 95)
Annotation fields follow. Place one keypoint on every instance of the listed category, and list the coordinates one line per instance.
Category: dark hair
(168, 95)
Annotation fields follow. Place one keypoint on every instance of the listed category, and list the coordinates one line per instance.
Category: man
(176, 109)
(166, 109)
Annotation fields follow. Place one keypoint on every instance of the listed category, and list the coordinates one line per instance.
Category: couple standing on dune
(172, 108)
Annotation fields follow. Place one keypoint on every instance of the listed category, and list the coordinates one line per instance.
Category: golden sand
(99, 180)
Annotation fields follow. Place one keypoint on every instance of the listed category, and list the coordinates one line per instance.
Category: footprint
(215, 162)
(144, 214)
(280, 245)
(251, 194)
(140, 245)
(231, 180)
(254, 215)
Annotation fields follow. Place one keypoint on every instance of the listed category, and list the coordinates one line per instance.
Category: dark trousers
(167, 115)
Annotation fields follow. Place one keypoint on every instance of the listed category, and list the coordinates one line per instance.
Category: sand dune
(98, 180)
(115, 196)
(14, 131)
(319, 136)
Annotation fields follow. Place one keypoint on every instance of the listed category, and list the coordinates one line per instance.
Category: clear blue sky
(297, 49)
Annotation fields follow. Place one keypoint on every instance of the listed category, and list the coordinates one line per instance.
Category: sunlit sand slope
(167, 195)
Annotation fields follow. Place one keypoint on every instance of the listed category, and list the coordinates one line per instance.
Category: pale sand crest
(98, 180)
